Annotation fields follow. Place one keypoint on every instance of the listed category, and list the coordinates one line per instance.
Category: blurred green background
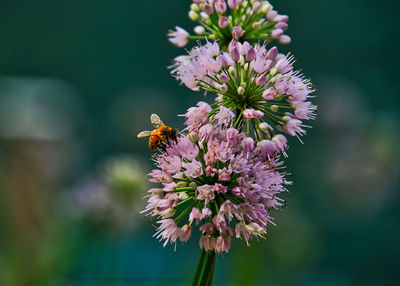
(78, 81)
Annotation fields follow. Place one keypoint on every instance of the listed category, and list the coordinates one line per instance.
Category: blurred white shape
(37, 108)
(113, 195)
(359, 152)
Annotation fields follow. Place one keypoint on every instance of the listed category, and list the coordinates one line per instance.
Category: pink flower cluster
(217, 178)
(258, 81)
(234, 19)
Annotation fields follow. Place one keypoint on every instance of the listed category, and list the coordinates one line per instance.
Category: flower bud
(257, 7)
(277, 33)
(222, 60)
(232, 70)
(224, 88)
(156, 191)
(261, 80)
(193, 15)
(284, 39)
(258, 114)
(208, 9)
(272, 53)
(282, 18)
(183, 196)
(271, 15)
(251, 54)
(199, 30)
(237, 32)
(223, 22)
(235, 55)
(233, 4)
(193, 185)
(241, 90)
(264, 126)
(255, 228)
(186, 233)
(281, 25)
(274, 108)
(181, 184)
(248, 144)
(224, 78)
(168, 213)
(269, 94)
(220, 6)
(256, 25)
(266, 7)
(193, 137)
(194, 7)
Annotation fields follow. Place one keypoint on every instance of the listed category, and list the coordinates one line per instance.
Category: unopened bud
(274, 108)
(183, 196)
(186, 232)
(256, 25)
(235, 55)
(199, 30)
(193, 137)
(193, 185)
(193, 15)
(223, 22)
(241, 90)
(250, 54)
(224, 78)
(264, 127)
(181, 184)
(285, 39)
(257, 7)
(266, 7)
(208, 9)
(168, 213)
(194, 7)
(204, 15)
(224, 88)
(232, 70)
(211, 37)
(243, 84)
(273, 71)
(286, 118)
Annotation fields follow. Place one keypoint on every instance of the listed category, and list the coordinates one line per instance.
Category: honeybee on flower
(162, 136)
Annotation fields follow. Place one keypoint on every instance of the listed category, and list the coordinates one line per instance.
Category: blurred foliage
(79, 80)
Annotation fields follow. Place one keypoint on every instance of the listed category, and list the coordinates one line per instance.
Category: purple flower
(179, 37)
(247, 20)
(237, 32)
(225, 181)
(280, 90)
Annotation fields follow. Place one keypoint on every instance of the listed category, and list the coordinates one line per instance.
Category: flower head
(223, 181)
(224, 20)
(258, 83)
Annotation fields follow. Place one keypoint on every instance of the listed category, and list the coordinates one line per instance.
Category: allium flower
(236, 19)
(256, 82)
(179, 37)
(216, 178)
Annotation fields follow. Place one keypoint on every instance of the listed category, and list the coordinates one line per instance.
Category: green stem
(205, 270)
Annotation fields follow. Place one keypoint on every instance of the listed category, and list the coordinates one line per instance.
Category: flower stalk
(204, 275)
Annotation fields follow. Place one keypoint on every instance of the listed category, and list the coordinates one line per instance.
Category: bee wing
(144, 134)
(156, 120)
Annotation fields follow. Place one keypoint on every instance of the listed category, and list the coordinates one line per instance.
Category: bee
(160, 137)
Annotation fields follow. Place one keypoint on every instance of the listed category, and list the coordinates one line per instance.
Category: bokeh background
(78, 81)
